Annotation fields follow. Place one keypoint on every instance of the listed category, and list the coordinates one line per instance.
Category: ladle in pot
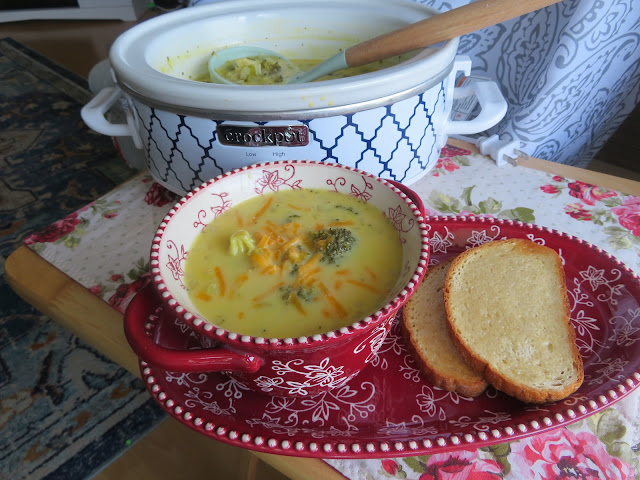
(435, 29)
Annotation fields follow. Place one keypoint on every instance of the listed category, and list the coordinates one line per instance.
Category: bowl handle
(188, 361)
(413, 196)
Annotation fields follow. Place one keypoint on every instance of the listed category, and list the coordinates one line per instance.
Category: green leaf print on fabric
(489, 206)
(501, 454)
(73, 240)
(610, 429)
(140, 268)
(522, 214)
(417, 464)
(104, 208)
(621, 238)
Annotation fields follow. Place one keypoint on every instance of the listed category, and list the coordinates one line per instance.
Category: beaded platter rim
(532, 420)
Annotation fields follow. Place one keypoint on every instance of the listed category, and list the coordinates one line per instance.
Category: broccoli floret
(270, 66)
(241, 242)
(333, 243)
(306, 294)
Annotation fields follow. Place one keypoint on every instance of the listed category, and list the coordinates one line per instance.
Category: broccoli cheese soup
(293, 263)
(270, 70)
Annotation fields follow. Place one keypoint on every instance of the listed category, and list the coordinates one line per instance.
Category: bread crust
(468, 387)
(450, 384)
(492, 374)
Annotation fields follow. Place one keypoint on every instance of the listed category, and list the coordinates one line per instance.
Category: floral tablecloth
(105, 247)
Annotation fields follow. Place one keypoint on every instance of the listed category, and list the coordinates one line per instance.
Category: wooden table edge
(98, 324)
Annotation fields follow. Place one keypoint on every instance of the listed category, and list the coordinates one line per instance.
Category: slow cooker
(391, 122)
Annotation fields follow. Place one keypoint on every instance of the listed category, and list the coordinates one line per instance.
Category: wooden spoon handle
(441, 27)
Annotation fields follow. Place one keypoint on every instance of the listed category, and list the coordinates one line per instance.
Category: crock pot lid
(129, 61)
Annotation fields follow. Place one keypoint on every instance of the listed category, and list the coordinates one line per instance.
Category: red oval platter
(389, 409)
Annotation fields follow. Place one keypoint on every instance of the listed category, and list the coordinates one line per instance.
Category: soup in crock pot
(293, 263)
(259, 70)
(270, 70)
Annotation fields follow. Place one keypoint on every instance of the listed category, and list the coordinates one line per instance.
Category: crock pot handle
(492, 103)
(188, 361)
(93, 114)
(413, 196)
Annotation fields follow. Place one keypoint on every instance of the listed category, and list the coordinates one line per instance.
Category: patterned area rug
(66, 411)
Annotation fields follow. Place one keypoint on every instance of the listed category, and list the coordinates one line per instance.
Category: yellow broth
(269, 70)
(264, 267)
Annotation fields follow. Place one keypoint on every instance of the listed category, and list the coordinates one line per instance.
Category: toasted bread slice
(427, 336)
(508, 314)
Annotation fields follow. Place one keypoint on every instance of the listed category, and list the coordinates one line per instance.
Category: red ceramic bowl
(301, 366)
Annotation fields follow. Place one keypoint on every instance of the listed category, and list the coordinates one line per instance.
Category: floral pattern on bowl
(302, 366)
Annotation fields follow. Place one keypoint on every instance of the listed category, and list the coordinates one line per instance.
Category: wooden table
(188, 453)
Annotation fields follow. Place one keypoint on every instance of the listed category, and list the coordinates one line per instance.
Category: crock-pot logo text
(263, 136)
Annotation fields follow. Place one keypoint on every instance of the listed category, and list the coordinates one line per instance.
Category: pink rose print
(461, 465)
(55, 231)
(390, 466)
(631, 222)
(577, 211)
(96, 289)
(126, 291)
(629, 214)
(630, 203)
(618, 210)
(563, 454)
(447, 161)
(588, 193)
(550, 189)
(451, 151)
(158, 195)
(447, 164)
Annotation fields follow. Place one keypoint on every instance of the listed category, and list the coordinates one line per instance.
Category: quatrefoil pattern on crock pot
(396, 141)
